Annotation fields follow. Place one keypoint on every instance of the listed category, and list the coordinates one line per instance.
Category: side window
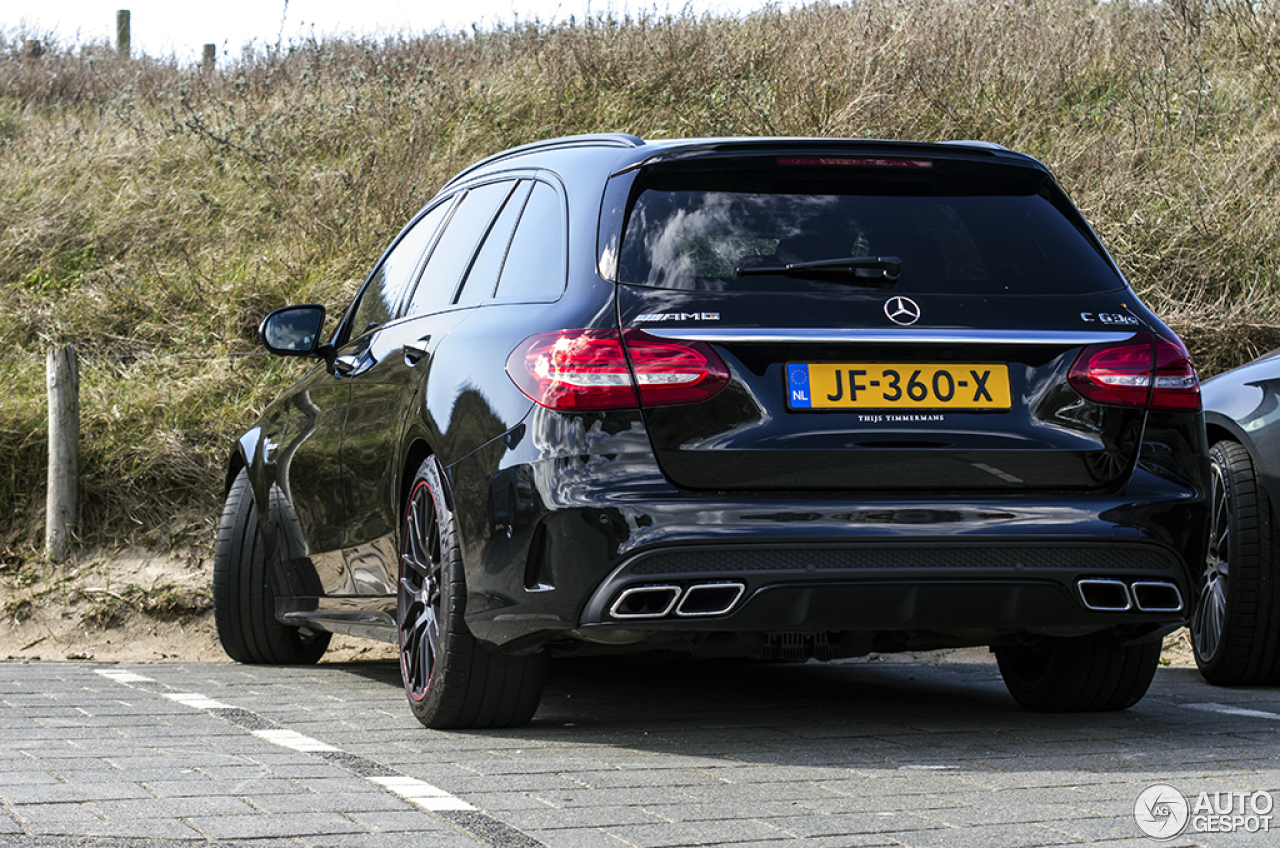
(456, 246)
(387, 287)
(482, 279)
(535, 266)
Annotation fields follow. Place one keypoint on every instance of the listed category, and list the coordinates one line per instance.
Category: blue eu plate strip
(798, 387)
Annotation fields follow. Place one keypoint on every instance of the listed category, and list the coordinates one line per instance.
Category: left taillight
(587, 370)
(1147, 370)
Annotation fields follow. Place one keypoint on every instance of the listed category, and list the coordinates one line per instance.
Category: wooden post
(210, 58)
(122, 33)
(62, 379)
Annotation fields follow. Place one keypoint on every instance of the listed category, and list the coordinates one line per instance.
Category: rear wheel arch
(1217, 433)
(451, 679)
(414, 456)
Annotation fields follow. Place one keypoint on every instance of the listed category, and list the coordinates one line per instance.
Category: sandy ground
(130, 606)
(139, 606)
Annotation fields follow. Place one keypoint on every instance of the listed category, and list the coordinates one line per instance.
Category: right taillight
(1147, 370)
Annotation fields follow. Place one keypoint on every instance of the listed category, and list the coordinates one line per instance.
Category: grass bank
(151, 213)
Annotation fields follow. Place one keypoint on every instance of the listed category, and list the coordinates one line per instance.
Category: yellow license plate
(900, 385)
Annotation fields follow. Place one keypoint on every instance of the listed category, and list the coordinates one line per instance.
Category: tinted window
(456, 246)
(482, 279)
(952, 234)
(387, 286)
(535, 266)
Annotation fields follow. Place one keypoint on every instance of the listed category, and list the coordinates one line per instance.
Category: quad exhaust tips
(698, 600)
(719, 598)
(1109, 595)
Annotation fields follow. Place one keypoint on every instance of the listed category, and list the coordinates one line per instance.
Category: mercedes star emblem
(902, 310)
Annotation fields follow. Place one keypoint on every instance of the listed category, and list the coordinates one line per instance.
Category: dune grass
(151, 213)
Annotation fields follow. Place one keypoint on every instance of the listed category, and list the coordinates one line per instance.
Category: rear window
(954, 233)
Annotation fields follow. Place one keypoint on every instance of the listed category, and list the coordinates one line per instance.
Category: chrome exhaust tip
(1156, 596)
(1104, 595)
(705, 599)
(645, 602)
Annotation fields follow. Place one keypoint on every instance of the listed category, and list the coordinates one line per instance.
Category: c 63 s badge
(1109, 318)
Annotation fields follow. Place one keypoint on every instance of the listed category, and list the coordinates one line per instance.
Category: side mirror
(293, 330)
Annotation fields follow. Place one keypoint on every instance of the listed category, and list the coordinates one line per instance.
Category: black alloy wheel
(419, 604)
(451, 679)
(1234, 627)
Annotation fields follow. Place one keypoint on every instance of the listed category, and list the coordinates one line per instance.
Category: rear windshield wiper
(874, 271)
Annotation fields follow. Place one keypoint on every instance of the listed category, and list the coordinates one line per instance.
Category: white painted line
(442, 805)
(122, 676)
(198, 701)
(423, 794)
(293, 739)
(417, 792)
(409, 787)
(1235, 711)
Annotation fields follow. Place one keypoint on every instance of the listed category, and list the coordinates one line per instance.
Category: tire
(451, 679)
(1092, 673)
(1235, 630)
(244, 601)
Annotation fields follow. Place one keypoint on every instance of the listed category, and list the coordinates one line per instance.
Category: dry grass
(151, 209)
(162, 601)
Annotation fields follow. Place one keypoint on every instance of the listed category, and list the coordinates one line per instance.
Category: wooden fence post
(210, 58)
(62, 379)
(122, 34)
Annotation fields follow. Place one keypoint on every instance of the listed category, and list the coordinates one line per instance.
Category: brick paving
(625, 752)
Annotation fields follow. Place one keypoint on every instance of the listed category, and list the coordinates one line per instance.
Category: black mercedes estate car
(783, 399)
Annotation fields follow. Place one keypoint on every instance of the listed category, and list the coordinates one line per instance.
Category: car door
(389, 365)
(312, 461)
(300, 437)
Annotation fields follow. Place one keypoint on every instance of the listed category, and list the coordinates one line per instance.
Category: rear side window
(535, 266)
(482, 279)
(953, 233)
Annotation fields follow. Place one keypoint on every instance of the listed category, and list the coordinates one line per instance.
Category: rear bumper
(1051, 584)
(767, 565)
(559, 526)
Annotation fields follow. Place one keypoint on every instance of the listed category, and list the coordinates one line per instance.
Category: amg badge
(650, 317)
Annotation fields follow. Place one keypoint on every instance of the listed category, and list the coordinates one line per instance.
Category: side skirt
(366, 617)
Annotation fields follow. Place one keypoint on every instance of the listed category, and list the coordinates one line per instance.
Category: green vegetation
(148, 209)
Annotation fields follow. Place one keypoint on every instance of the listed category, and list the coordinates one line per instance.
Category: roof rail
(989, 145)
(621, 140)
